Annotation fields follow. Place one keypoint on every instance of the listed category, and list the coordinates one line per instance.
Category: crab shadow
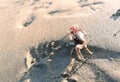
(101, 53)
(58, 53)
(44, 70)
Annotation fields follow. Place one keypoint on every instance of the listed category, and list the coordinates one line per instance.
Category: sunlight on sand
(21, 26)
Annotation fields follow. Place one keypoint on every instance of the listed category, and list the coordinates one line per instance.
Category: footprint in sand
(29, 21)
(66, 13)
(93, 5)
(19, 2)
(76, 12)
(79, 1)
(34, 2)
(44, 5)
(116, 15)
(57, 11)
(26, 21)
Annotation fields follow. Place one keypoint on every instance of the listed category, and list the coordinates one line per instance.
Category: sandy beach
(34, 35)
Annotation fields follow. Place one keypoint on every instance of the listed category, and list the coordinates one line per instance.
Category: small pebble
(51, 53)
(67, 45)
(52, 43)
(49, 60)
(99, 73)
(111, 59)
(71, 43)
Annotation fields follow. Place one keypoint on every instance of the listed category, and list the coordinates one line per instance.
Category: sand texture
(34, 38)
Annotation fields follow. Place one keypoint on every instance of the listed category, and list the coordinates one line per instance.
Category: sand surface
(34, 34)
